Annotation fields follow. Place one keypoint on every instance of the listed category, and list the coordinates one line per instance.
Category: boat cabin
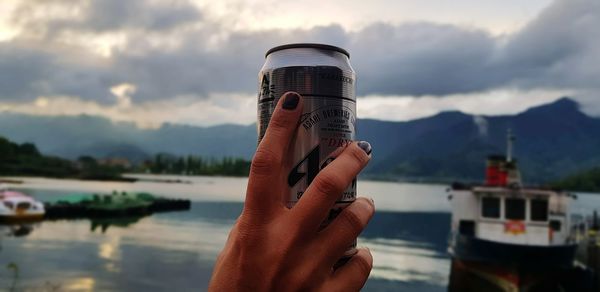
(513, 216)
(502, 222)
(17, 206)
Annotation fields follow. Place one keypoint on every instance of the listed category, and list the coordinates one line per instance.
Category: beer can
(323, 76)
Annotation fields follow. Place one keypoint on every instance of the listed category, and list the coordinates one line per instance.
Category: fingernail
(290, 101)
(372, 201)
(365, 146)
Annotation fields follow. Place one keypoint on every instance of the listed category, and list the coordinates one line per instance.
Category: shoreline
(187, 179)
(179, 179)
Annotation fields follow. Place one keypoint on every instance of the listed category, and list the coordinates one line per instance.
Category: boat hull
(479, 276)
(21, 218)
(468, 248)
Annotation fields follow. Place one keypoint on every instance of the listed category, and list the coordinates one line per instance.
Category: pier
(112, 205)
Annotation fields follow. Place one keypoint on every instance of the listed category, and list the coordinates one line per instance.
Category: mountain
(553, 140)
(74, 136)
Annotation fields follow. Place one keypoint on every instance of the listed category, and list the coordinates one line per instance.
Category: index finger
(266, 176)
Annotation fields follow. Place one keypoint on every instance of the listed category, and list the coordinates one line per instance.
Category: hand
(272, 248)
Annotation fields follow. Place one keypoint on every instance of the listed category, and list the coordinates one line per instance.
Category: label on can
(326, 126)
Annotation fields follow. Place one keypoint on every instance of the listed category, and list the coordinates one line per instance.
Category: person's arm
(272, 248)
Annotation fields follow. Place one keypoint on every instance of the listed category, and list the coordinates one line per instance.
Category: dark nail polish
(365, 146)
(290, 101)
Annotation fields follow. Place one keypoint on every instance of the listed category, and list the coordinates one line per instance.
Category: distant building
(115, 161)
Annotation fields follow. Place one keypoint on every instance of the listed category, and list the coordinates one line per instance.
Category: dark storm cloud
(198, 68)
(105, 15)
(17, 79)
(116, 14)
(559, 49)
(30, 69)
(422, 58)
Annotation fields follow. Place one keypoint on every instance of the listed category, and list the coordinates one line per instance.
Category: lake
(175, 251)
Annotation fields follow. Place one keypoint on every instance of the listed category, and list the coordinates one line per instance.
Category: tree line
(196, 165)
(585, 181)
(26, 160)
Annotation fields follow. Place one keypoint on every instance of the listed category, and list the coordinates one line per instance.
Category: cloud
(169, 49)
(51, 17)
(122, 93)
(29, 69)
(489, 103)
(558, 49)
(422, 59)
(213, 110)
(117, 14)
(240, 108)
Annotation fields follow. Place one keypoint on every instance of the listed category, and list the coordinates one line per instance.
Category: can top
(308, 45)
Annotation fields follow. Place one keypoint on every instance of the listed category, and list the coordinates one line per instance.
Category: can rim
(308, 45)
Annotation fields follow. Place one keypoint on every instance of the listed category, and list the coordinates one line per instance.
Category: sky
(196, 62)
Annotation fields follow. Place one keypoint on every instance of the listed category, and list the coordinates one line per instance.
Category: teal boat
(114, 204)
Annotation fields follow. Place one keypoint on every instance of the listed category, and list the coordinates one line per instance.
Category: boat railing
(580, 227)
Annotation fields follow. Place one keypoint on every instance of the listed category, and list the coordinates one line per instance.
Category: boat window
(23, 205)
(490, 207)
(515, 209)
(555, 225)
(539, 210)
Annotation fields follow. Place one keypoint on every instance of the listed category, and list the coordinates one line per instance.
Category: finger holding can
(344, 229)
(266, 179)
(353, 275)
(328, 186)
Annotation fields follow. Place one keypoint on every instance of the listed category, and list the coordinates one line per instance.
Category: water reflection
(169, 250)
(476, 276)
(110, 251)
(81, 284)
(102, 224)
(176, 251)
(409, 251)
(400, 260)
(16, 230)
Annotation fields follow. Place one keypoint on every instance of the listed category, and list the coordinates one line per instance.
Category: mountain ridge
(554, 140)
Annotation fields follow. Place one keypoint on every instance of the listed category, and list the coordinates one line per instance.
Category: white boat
(18, 207)
(501, 222)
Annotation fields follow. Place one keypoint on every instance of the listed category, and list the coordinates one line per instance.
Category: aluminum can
(323, 76)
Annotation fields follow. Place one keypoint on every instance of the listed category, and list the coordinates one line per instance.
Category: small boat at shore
(19, 207)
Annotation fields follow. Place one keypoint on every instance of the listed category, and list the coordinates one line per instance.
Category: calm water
(175, 251)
